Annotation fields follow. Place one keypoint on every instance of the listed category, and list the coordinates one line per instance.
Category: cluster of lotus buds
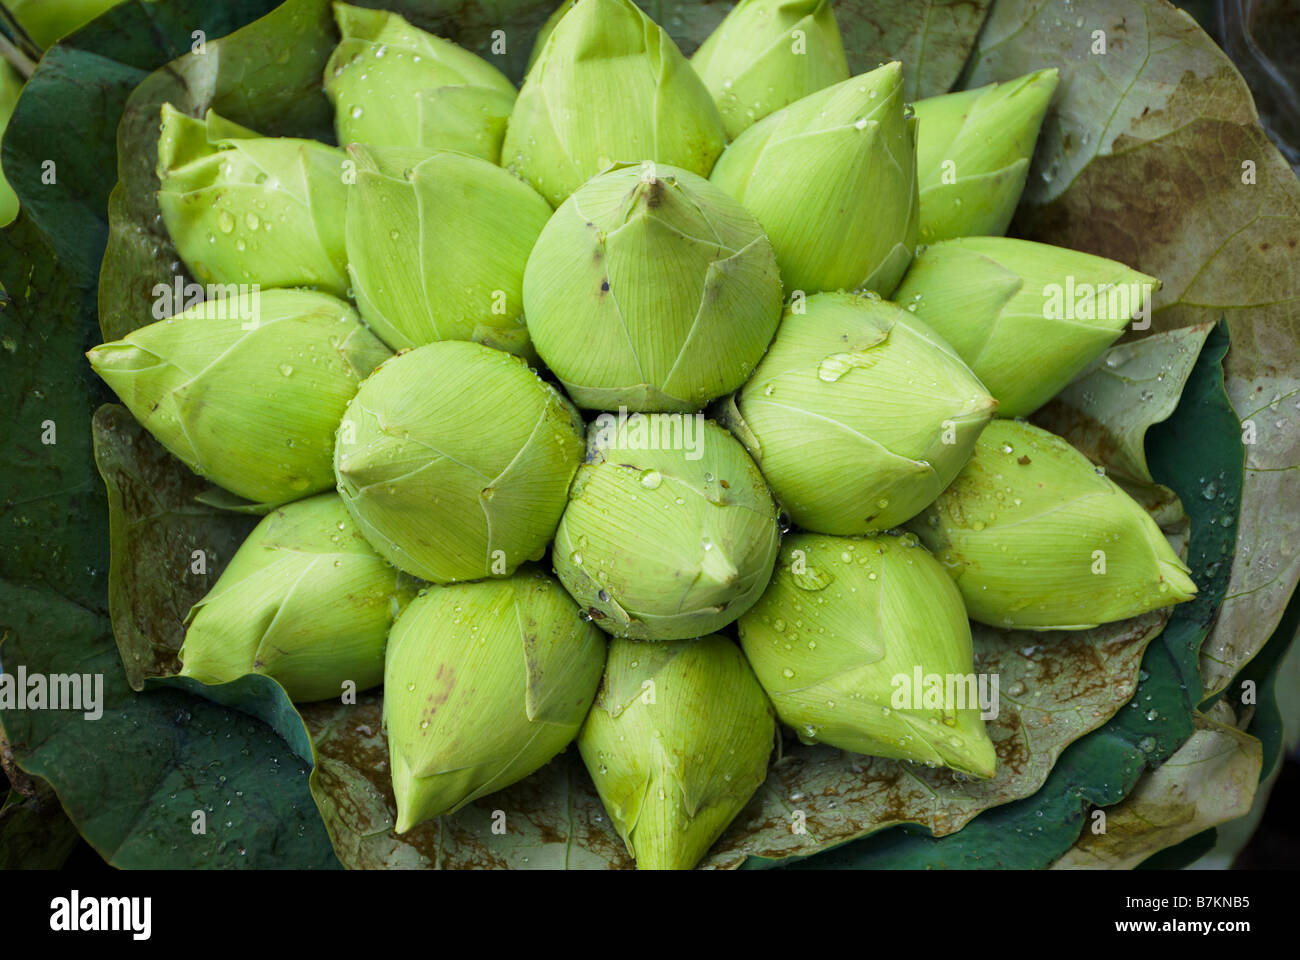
(700, 415)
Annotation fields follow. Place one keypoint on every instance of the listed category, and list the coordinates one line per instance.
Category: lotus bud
(11, 84)
(48, 21)
(972, 154)
(393, 85)
(437, 244)
(608, 86)
(677, 742)
(858, 415)
(305, 600)
(651, 289)
(241, 208)
(1037, 538)
(484, 683)
(670, 532)
(842, 637)
(1026, 316)
(832, 179)
(767, 54)
(247, 391)
(455, 459)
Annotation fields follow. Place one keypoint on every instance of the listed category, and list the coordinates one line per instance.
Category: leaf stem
(16, 45)
(19, 60)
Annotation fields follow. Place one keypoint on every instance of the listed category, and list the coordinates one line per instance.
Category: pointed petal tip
(976, 757)
(403, 822)
(979, 408)
(718, 568)
(1029, 95)
(120, 356)
(1175, 576)
(984, 771)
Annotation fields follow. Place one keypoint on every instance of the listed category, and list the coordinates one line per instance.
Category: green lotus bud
(437, 244)
(393, 85)
(49, 21)
(1026, 316)
(676, 743)
(11, 84)
(1039, 539)
(456, 461)
(832, 179)
(247, 391)
(484, 683)
(651, 289)
(863, 643)
(670, 532)
(242, 208)
(609, 86)
(858, 415)
(972, 154)
(305, 600)
(767, 54)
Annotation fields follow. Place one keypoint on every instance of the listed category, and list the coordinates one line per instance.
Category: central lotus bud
(858, 415)
(651, 289)
(456, 459)
(669, 532)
